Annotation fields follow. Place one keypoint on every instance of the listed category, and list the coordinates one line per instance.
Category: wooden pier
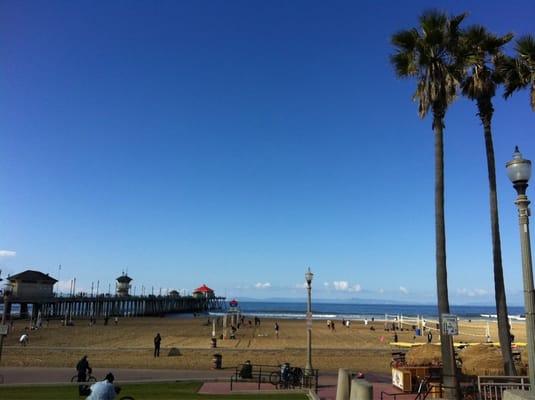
(78, 307)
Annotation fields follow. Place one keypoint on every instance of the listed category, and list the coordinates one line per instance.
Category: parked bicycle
(287, 377)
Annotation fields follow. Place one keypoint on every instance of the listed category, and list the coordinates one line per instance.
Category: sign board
(401, 379)
(3, 329)
(449, 325)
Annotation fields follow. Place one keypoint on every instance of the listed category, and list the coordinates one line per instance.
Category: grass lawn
(146, 391)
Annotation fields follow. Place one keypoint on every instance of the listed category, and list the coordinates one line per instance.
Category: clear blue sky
(235, 143)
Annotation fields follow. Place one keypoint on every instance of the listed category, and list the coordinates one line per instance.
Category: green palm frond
(519, 72)
(426, 54)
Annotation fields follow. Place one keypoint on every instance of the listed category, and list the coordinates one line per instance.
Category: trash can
(217, 361)
(418, 332)
(214, 343)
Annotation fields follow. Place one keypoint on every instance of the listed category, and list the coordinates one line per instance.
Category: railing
(257, 373)
(492, 387)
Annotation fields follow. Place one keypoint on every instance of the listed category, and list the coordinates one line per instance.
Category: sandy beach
(129, 344)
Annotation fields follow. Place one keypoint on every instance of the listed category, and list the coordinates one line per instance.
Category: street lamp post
(308, 368)
(519, 172)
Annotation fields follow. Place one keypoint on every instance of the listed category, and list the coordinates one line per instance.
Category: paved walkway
(35, 375)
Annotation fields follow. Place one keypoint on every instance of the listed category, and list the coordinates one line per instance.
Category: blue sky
(236, 143)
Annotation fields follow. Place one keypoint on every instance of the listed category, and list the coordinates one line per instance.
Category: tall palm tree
(519, 72)
(480, 48)
(426, 54)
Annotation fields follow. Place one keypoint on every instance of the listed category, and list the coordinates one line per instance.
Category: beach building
(123, 286)
(174, 293)
(29, 287)
(203, 292)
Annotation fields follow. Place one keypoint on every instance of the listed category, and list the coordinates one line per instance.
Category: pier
(81, 307)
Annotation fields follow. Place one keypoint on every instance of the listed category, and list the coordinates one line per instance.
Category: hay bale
(173, 352)
(427, 354)
(482, 360)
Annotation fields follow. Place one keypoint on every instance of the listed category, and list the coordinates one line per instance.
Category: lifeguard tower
(123, 285)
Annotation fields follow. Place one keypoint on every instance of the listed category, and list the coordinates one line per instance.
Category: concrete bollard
(361, 390)
(342, 388)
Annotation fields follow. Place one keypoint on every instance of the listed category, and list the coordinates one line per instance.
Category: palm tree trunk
(485, 113)
(449, 375)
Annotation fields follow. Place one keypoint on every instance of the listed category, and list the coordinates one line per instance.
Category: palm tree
(426, 54)
(480, 48)
(519, 72)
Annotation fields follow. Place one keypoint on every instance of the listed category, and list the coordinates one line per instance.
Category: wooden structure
(35, 289)
(80, 307)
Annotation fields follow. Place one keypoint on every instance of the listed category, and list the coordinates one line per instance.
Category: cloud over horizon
(7, 253)
(344, 286)
(472, 292)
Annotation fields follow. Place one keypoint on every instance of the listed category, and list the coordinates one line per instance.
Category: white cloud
(301, 285)
(472, 292)
(326, 284)
(261, 285)
(381, 291)
(356, 288)
(340, 285)
(7, 253)
(344, 286)
(403, 290)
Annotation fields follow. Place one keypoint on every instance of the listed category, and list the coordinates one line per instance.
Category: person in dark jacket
(157, 342)
(83, 369)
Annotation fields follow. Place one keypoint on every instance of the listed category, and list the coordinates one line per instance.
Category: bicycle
(89, 378)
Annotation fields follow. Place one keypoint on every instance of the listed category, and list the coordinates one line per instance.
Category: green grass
(145, 391)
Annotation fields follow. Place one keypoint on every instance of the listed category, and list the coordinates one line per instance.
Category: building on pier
(203, 292)
(123, 285)
(32, 284)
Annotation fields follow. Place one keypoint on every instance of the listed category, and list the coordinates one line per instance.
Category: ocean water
(295, 310)
(289, 310)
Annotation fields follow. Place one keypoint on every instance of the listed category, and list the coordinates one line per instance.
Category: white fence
(492, 387)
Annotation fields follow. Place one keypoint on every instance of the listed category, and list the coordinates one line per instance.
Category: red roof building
(203, 291)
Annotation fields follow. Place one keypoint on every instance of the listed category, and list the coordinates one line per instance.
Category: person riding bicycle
(104, 390)
(83, 369)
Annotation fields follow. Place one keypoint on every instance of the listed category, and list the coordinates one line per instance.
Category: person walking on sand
(429, 337)
(277, 330)
(157, 342)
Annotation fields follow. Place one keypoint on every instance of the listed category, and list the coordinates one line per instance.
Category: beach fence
(400, 321)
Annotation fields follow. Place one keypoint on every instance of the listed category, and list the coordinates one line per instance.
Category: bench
(253, 374)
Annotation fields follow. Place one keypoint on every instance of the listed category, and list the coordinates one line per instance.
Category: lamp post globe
(308, 368)
(308, 277)
(519, 172)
